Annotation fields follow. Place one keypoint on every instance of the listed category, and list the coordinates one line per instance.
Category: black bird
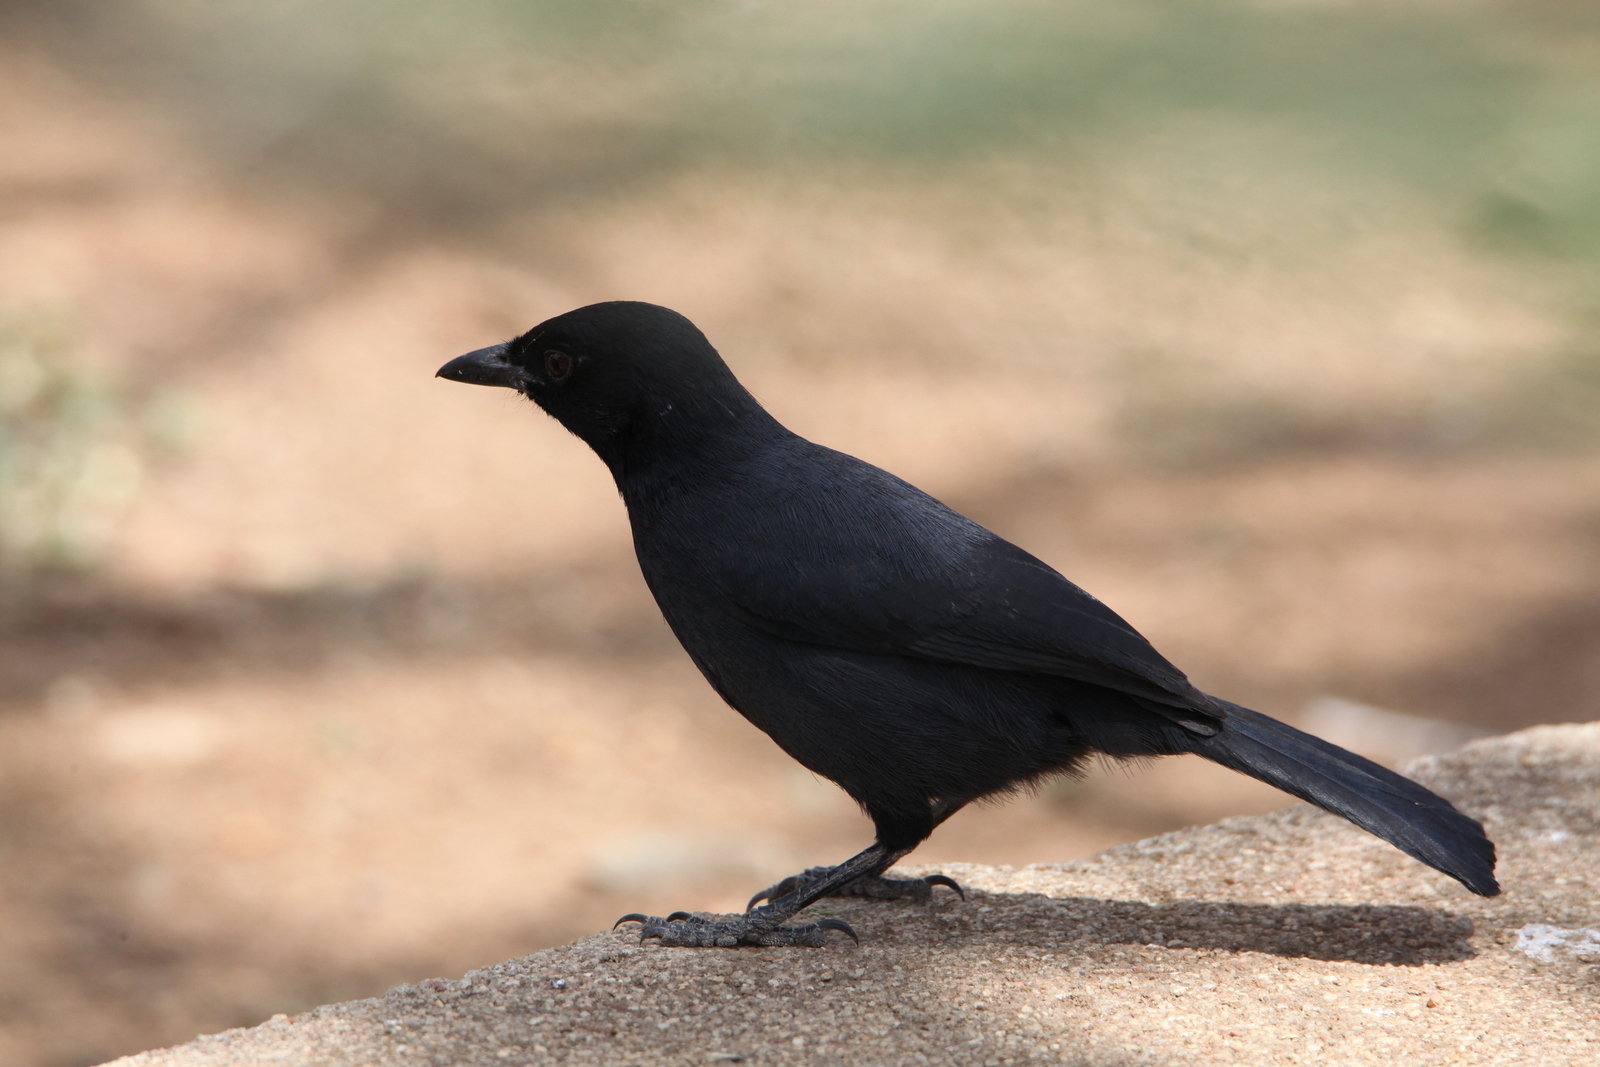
(880, 638)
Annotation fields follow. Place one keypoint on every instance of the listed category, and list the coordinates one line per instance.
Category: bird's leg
(764, 925)
(873, 884)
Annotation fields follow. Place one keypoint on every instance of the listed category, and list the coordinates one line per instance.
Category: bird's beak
(486, 366)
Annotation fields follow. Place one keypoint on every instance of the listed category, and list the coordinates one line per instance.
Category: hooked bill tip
(486, 366)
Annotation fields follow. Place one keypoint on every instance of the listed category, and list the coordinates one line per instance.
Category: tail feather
(1416, 821)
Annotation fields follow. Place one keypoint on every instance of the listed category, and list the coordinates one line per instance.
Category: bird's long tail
(1414, 820)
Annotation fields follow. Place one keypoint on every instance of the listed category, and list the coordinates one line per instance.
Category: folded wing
(986, 604)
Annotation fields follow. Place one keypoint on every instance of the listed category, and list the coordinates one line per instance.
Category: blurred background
(1274, 323)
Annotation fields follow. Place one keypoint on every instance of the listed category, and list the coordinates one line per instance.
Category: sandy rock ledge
(1285, 938)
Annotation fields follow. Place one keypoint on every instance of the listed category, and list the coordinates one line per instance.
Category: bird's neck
(673, 446)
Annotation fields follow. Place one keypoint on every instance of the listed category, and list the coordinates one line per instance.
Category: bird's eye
(558, 365)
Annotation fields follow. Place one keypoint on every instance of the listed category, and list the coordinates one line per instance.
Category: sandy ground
(1287, 938)
(365, 686)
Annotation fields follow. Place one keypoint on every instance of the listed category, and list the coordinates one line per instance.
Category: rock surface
(1285, 938)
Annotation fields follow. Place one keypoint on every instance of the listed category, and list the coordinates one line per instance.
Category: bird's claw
(840, 925)
(680, 929)
(946, 881)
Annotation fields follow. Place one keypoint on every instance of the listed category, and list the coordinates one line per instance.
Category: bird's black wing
(939, 587)
(1027, 617)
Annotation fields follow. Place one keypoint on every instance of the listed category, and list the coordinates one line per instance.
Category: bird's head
(616, 372)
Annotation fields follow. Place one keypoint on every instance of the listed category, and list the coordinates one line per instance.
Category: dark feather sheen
(882, 639)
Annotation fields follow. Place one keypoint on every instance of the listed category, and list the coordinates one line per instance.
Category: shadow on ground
(124, 640)
(1371, 935)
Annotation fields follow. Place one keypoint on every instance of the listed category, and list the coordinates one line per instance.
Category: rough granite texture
(1284, 938)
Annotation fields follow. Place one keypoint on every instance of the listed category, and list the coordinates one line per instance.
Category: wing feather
(994, 607)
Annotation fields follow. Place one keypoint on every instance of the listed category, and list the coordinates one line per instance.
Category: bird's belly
(886, 726)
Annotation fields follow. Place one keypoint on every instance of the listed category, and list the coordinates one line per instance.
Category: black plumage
(883, 640)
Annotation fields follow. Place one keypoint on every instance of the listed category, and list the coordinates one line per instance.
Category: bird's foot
(875, 886)
(680, 929)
